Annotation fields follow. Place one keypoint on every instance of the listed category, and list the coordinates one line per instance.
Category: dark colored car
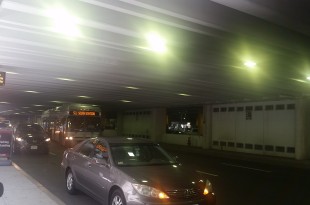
(30, 138)
(5, 124)
(132, 171)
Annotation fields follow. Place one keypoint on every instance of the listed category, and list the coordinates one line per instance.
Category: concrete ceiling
(207, 44)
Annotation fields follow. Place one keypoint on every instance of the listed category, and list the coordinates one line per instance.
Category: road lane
(235, 182)
(47, 171)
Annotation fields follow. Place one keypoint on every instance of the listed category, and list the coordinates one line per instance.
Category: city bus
(71, 123)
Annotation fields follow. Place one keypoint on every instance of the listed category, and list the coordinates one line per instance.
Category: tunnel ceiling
(105, 57)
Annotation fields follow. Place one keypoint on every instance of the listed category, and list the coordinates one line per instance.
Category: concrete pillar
(158, 124)
(301, 129)
(119, 124)
(207, 126)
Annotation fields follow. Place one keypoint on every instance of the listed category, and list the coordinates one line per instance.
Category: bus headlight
(69, 138)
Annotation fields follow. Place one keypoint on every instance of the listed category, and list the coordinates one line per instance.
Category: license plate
(34, 147)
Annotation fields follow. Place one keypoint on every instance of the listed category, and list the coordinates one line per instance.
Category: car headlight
(48, 139)
(208, 188)
(19, 139)
(149, 191)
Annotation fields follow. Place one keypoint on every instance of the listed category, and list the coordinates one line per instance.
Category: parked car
(132, 171)
(5, 124)
(30, 138)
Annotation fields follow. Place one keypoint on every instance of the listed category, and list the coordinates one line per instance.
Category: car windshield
(140, 155)
(31, 129)
(84, 124)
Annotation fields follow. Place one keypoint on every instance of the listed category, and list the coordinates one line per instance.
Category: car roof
(32, 124)
(129, 140)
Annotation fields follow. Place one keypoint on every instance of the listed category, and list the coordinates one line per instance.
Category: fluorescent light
(13, 73)
(56, 101)
(156, 43)
(4, 103)
(30, 91)
(125, 101)
(184, 94)
(132, 87)
(66, 79)
(83, 96)
(250, 64)
(64, 22)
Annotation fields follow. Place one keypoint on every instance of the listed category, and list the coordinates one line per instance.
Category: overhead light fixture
(83, 96)
(132, 88)
(38, 105)
(299, 80)
(4, 103)
(64, 22)
(156, 43)
(126, 101)
(250, 64)
(13, 73)
(30, 91)
(66, 79)
(56, 101)
(184, 94)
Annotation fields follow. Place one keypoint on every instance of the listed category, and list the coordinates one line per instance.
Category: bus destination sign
(84, 113)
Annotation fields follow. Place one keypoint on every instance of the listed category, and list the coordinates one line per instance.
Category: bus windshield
(83, 124)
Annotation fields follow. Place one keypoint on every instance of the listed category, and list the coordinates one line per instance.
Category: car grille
(34, 140)
(190, 193)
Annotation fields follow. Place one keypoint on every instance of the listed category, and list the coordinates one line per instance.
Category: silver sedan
(132, 171)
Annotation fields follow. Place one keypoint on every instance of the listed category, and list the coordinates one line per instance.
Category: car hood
(167, 175)
(31, 135)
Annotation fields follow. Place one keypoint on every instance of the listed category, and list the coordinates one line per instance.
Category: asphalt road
(235, 182)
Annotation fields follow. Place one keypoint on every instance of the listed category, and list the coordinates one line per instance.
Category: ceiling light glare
(64, 22)
(184, 94)
(13, 73)
(83, 96)
(308, 78)
(55, 101)
(132, 88)
(31, 91)
(126, 101)
(4, 103)
(66, 79)
(38, 105)
(156, 43)
(250, 64)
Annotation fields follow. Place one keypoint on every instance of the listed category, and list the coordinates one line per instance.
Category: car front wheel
(70, 183)
(117, 198)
